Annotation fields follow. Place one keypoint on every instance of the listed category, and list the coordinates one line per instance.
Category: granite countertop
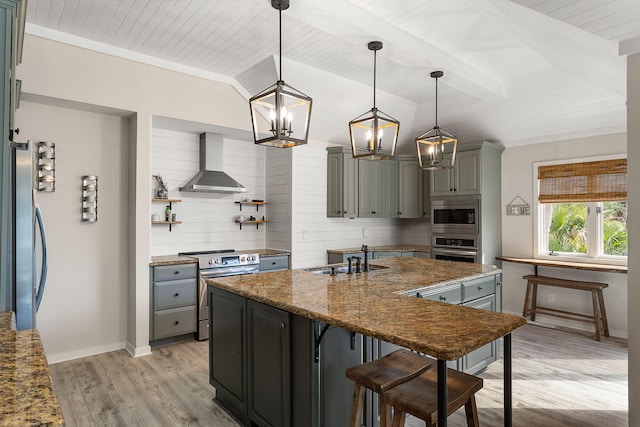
(179, 259)
(26, 392)
(373, 303)
(266, 252)
(171, 260)
(404, 248)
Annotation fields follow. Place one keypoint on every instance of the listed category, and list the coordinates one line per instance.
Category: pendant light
(436, 147)
(374, 134)
(280, 112)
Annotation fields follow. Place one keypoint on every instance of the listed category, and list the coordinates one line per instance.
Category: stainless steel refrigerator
(23, 264)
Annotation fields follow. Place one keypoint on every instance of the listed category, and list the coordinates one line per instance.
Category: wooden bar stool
(381, 375)
(419, 397)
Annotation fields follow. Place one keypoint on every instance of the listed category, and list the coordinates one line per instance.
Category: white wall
(54, 73)
(84, 308)
(633, 146)
(518, 234)
(207, 219)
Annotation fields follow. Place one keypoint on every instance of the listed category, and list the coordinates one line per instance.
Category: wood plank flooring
(560, 378)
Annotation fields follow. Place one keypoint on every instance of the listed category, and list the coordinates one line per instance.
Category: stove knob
(210, 261)
(253, 258)
(242, 259)
(216, 261)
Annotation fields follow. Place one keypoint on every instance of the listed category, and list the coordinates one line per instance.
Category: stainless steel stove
(220, 263)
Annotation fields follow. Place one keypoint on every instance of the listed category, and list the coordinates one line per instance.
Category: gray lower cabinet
(269, 365)
(274, 368)
(387, 254)
(337, 258)
(482, 293)
(274, 263)
(173, 299)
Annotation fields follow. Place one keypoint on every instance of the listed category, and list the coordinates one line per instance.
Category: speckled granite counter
(26, 395)
(266, 252)
(373, 304)
(402, 248)
(171, 260)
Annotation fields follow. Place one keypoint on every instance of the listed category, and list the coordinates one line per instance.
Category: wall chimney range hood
(211, 178)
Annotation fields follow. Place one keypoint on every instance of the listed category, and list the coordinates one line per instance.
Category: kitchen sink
(341, 269)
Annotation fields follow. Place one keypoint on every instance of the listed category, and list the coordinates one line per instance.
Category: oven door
(203, 299)
(447, 254)
(455, 216)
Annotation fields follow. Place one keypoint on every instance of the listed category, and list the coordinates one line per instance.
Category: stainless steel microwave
(455, 216)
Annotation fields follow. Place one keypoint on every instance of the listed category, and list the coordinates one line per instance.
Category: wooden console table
(531, 307)
(536, 262)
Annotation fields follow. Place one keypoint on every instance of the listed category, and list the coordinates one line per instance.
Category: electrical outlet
(551, 297)
(305, 235)
(365, 233)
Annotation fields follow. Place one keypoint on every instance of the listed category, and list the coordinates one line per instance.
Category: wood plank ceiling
(516, 72)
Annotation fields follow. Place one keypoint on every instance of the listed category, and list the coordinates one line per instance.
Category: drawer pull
(273, 263)
(282, 325)
(480, 288)
(177, 322)
(176, 294)
(176, 272)
(443, 298)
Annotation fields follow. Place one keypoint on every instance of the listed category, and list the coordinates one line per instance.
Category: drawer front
(450, 294)
(478, 288)
(274, 263)
(174, 272)
(177, 321)
(385, 254)
(174, 293)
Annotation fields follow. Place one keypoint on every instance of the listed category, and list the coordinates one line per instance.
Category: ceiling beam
(354, 25)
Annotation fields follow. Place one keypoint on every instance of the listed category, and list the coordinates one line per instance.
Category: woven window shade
(583, 182)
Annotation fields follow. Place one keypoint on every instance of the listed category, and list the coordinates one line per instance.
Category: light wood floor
(560, 378)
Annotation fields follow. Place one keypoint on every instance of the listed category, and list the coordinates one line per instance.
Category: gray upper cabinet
(371, 189)
(342, 183)
(409, 188)
(375, 189)
(462, 179)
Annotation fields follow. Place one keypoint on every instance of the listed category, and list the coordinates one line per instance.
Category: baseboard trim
(138, 352)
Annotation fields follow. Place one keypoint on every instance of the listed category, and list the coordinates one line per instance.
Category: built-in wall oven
(455, 215)
(219, 263)
(455, 248)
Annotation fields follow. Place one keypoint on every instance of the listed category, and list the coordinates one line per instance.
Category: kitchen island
(375, 304)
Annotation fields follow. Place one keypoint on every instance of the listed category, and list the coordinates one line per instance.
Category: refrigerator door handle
(45, 263)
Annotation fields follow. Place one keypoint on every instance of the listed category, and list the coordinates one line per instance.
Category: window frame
(538, 218)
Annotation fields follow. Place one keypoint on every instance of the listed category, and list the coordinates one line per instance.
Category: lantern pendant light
(436, 147)
(280, 114)
(374, 134)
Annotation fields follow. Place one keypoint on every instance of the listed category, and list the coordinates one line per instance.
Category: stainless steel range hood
(211, 178)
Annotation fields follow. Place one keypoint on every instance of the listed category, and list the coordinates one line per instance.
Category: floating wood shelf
(257, 222)
(169, 201)
(257, 204)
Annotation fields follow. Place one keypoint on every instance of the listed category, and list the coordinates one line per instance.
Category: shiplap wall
(312, 232)
(207, 219)
(279, 198)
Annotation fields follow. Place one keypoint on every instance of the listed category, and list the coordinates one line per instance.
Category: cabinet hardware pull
(282, 325)
(480, 288)
(373, 212)
(177, 321)
(273, 263)
(443, 298)
(176, 272)
(176, 294)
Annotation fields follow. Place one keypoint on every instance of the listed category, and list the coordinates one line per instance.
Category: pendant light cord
(375, 52)
(436, 102)
(280, 20)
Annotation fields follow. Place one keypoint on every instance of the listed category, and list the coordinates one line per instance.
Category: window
(582, 210)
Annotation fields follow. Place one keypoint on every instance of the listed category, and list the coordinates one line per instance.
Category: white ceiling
(515, 72)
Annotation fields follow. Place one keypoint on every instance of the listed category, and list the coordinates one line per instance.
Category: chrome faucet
(365, 249)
